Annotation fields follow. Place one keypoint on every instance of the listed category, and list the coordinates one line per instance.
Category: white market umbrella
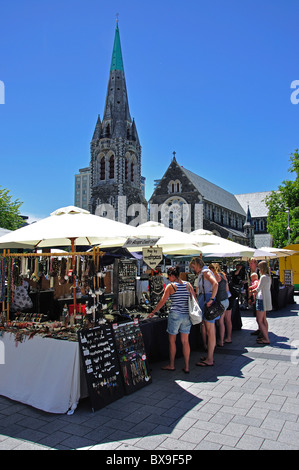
(261, 254)
(206, 237)
(170, 240)
(227, 249)
(279, 252)
(66, 226)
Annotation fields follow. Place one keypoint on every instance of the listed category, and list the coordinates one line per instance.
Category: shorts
(225, 304)
(259, 305)
(178, 323)
(201, 302)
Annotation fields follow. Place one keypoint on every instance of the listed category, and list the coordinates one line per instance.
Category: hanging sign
(152, 256)
(137, 242)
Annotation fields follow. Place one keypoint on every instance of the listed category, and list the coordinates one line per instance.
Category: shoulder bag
(195, 313)
(214, 311)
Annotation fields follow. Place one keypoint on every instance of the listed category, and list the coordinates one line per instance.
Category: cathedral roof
(213, 193)
(256, 202)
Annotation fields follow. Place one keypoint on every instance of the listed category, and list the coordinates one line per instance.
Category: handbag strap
(188, 286)
(203, 286)
(174, 287)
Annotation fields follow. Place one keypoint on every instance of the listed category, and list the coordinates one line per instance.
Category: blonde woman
(263, 302)
(207, 288)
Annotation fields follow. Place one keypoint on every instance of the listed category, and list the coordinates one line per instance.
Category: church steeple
(117, 60)
(115, 148)
(117, 119)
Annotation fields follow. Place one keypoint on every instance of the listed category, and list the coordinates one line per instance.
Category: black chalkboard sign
(101, 366)
(131, 354)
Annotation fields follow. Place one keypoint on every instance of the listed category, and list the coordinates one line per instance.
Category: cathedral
(112, 185)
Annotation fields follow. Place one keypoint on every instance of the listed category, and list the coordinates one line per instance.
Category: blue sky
(210, 80)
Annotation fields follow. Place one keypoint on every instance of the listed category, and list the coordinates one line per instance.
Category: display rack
(6, 273)
(132, 357)
(101, 366)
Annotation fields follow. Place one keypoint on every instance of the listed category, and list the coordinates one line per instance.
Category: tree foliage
(10, 217)
(279, 203)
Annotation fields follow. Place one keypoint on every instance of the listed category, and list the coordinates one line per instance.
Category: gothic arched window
(102, 168)
(111, 167)
(126, 169)
(132, 171)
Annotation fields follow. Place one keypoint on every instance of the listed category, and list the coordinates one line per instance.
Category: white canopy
(279, 252)
(229, 249)
(206, 237)
(170, 240)
(63, 226)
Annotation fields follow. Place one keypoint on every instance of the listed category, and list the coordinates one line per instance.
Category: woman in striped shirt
(178, 318)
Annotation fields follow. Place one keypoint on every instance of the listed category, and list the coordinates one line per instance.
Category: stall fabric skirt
(41, 372)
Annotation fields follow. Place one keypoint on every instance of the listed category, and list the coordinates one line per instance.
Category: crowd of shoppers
(212, 284)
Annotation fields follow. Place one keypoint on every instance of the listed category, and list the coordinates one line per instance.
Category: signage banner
(152, 256)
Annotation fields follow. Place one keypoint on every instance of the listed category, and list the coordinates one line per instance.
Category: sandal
(204, 364)
(262, 341)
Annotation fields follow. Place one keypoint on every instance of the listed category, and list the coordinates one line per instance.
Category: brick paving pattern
(248, 400)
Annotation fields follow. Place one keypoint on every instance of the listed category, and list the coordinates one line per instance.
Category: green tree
(9, 211)
(279, 203)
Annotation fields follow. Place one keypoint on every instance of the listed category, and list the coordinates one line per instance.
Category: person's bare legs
(211, 333)
(221, 330)
(186, 350)
(204, 335)
(172, 352)
(228, 325)
(261, 318)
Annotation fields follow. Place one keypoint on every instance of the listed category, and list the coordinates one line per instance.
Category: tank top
(222, 292)
(207, 286)
(179, 300)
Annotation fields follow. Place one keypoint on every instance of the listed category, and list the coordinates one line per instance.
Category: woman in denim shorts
(178, 318)
(207, 290)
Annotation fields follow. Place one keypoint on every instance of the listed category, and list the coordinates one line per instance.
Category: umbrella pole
(74, 276)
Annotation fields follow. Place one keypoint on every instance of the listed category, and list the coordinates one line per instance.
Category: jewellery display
(114, 361)
(132, 356)
(127, 272)
(100, 362)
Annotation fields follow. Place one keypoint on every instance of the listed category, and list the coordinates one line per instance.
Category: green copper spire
(117, 60)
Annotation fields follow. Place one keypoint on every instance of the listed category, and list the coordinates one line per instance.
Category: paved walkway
(248, 400)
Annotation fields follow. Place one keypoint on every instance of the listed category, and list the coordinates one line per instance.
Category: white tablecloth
(41, 372)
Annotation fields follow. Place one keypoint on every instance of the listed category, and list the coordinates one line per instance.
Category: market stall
(85, 298)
